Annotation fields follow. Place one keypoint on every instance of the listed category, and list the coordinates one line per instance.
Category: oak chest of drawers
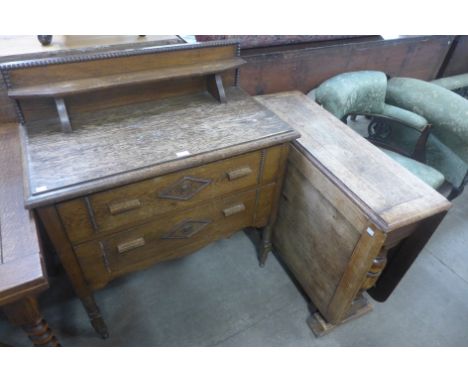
(126, 228)
(136, 157)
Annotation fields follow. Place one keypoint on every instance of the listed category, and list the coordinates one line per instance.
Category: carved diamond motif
(187, 229)
(185, 189)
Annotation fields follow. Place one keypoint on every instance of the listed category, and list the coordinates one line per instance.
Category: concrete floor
(220, 297)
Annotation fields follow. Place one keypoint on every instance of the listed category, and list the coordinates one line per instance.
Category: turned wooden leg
(406, 253)
(265, 246)
(95, 317)
(25, 313)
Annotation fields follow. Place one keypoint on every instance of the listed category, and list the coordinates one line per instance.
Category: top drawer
(124, 206)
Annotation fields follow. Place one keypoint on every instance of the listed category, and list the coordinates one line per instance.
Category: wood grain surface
(168, 237)
(117, 146)
(44, 71)
(312, 235)
(382, 188)
(120, 66)
(22, 270)
(345, 204)
(13, 48)
(84, 219)
(87, 85)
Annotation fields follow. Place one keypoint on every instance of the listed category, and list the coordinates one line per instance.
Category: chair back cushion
(361, 92)
(453, 82)
(444, 109)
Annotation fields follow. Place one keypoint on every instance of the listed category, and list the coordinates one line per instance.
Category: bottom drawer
(171, 236)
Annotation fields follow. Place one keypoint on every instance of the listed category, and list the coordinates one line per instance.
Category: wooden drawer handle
(235, 209)
(239, 173)
(118, 208)
(129, 245)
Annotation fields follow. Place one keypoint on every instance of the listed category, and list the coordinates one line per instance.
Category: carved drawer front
(124, 206)
(171, 236)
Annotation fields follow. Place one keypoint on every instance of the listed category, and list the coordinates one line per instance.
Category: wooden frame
(346, 211)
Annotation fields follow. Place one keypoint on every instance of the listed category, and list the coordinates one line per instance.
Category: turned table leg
(266, 245)
(25, 313)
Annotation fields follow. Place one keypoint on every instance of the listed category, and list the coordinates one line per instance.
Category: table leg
(95, 317)
(266, 245)
(25, 313)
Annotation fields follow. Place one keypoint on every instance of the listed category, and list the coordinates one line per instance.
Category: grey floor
(220, 297)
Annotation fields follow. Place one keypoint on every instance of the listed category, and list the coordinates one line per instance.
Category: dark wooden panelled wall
(304, 66)
(456, 61)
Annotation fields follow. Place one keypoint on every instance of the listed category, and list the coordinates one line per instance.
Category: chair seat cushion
(429, 175)
(445, 160)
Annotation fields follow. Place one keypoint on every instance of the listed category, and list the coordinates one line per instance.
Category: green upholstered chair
(429, 175)
(458, 84)
(363, 93)
(447, 112)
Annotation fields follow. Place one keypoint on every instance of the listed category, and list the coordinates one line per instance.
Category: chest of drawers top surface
(117, 146)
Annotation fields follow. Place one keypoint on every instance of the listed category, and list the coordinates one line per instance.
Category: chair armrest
(453, 82)
(406, 117)
(394, 116)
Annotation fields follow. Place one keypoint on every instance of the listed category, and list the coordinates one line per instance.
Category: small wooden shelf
(67, 88)
(59, 90)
